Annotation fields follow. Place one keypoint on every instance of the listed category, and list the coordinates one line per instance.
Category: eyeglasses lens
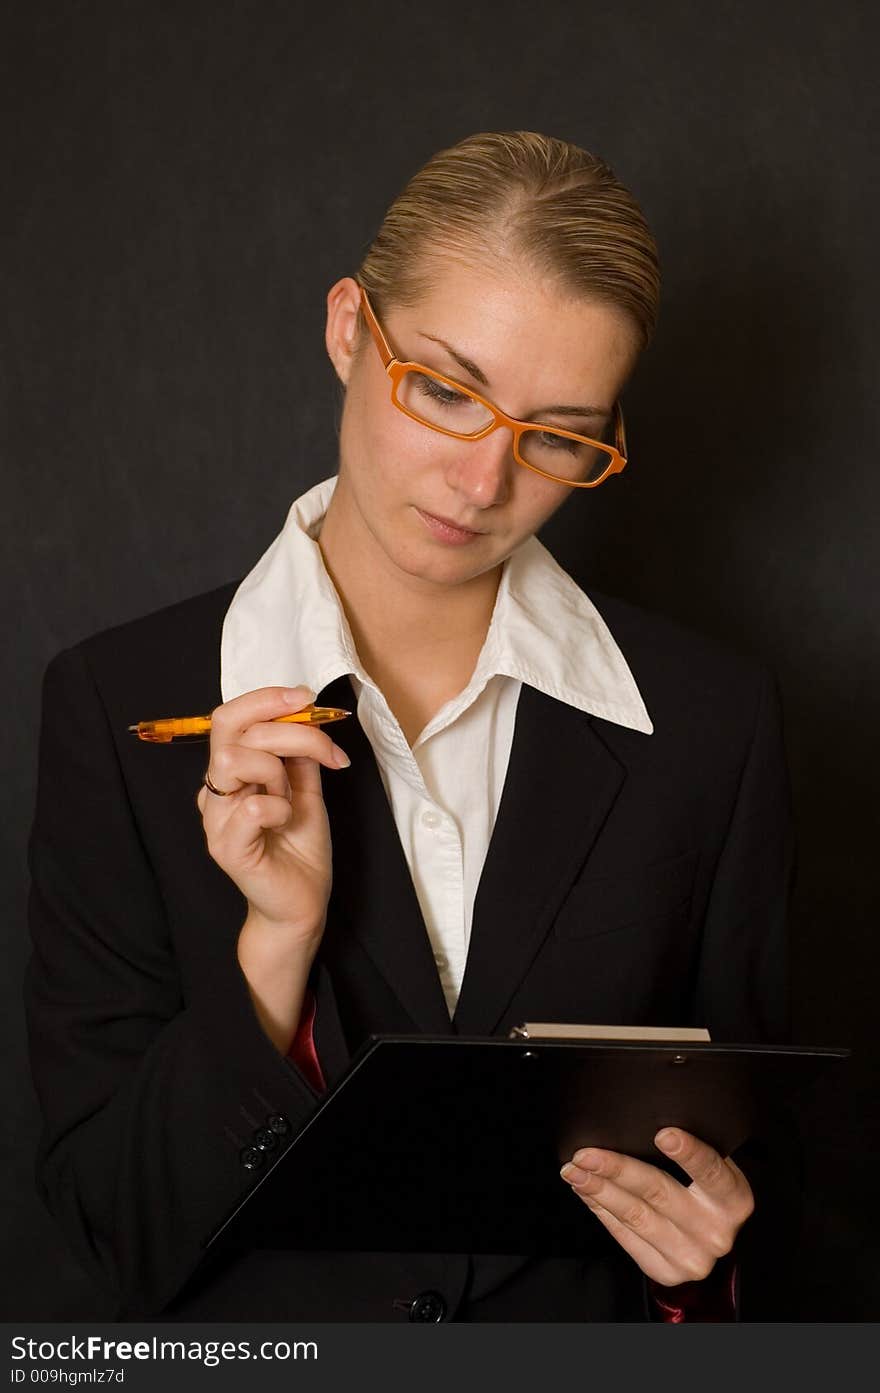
(437, 404)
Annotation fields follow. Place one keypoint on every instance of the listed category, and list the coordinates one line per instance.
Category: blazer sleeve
(743, 995)
(160, 1108)
(742, 985)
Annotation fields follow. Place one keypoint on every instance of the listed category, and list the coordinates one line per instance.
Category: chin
(436, 569)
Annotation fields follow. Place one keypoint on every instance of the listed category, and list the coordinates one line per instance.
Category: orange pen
(181, 727)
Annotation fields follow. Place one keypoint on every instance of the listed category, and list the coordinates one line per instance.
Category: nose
(482, 470)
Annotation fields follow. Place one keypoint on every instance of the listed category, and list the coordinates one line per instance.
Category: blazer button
(278, 1123)
(250, 1158)
(428, 1306)
(265, 1139)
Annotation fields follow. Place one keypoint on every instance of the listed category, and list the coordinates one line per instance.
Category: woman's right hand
(271, 835)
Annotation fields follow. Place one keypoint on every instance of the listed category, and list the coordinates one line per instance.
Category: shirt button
(441, 961)
(430, 818)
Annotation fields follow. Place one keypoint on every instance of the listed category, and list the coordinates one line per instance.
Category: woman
(197, 982)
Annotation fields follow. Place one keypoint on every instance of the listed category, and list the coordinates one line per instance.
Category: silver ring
(220, 792)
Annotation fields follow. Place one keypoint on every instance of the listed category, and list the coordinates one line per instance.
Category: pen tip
(132, 727)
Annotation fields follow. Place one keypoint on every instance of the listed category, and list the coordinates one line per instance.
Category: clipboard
(454, 1144)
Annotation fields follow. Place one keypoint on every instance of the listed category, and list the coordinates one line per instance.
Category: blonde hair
(518, 195)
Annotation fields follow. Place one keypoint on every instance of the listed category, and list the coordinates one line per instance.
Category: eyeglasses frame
(396, 369)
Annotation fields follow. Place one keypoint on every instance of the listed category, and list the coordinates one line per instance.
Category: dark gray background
(183, 184)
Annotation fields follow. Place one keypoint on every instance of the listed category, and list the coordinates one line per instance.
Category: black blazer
(630, 878)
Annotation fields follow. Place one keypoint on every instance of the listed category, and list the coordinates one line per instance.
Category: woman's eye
(445, 395)
(559, 442)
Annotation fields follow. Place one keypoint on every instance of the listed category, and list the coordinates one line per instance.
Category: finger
(304, 778)
(234, 766)
(217, 810)
(709, 1224)
(204, 799)
(254, 814)
(717, 1178)
(295, 741)
(631, 1210)
(661, 1191)
(722, 1194)
(234, 717)
(677, 1253)
(653, 1263)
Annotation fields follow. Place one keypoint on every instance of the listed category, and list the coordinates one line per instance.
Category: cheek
(536, 500)
(386, 445)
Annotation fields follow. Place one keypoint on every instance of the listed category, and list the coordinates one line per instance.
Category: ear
(343, 304)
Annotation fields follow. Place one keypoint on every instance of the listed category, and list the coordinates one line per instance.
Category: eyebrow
(479, 376)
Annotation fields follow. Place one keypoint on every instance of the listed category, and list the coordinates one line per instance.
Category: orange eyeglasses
(437, 401)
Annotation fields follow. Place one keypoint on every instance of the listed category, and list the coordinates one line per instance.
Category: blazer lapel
(561, 783)
(373, 895)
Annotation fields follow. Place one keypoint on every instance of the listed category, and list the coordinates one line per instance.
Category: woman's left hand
(676, 1233)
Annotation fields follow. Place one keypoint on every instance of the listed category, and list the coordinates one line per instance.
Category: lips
(451, 523)
(447, 532)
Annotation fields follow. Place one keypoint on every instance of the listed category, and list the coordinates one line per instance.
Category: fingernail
(298, 696)
(569, 1172)
(587, 1160)
(341, 758)
(668, 1140)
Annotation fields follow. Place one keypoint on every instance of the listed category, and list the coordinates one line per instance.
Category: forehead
(530, 338)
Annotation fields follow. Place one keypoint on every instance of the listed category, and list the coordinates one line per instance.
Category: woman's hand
(271, 836)
(675, 1232)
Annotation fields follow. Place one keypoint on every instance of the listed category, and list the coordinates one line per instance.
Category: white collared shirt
(286, 627)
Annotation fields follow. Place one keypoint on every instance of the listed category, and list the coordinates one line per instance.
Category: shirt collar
(548, 633)
(286, 627)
